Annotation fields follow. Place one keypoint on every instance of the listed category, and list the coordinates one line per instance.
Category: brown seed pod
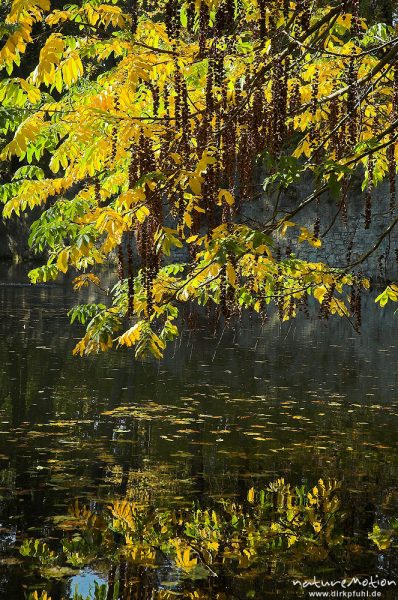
(356, 23)
(172, 18)
(303, 13)
(279, 103)
(295, 99)
(120, 265)
(134, 15)
(392, 174)
(313, 133)
(317, 227)
(204, 16)
(225, 17)
(130, 276)
(97, 191)
(190, 14)
(333, 126)
(304, 304)
(344, 200)
(278, 293)
(356, 307)
(352, 101)
(262, 22)
(292, 306)
(368, 195)
(149, 275)
(324, 311)
(134, 168)
(113, 144)
(381, 263)
(392, 163)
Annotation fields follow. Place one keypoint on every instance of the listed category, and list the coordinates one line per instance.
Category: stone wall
(337, 235)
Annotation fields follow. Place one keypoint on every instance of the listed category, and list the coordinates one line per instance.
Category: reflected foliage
(226, 541)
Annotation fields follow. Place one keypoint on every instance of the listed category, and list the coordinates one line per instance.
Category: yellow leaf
(227, 196)
(131, 336)
(62, 261)
(176, 157)
(307, 236)
(231, 274)
(196, 185)
(319, 293)
(317, 526)
(142, 213)
(285, 226)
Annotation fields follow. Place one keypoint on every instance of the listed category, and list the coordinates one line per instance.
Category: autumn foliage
(141, 131)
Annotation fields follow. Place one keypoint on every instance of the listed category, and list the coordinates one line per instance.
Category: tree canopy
(141, 130)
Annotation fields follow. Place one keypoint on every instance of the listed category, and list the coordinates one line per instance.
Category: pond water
(223, 413)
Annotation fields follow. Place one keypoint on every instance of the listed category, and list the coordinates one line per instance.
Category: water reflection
(216, 417)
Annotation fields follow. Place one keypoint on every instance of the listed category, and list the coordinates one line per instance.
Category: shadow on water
(217, 417)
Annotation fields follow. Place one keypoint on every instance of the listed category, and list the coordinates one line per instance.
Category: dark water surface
(305, 401)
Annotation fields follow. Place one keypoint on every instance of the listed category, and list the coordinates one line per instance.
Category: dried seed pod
(149, 275)
(317, 227)
(278, 293)
(178, 96)
(295, 99)
(225, 17)
(344, 200)
(381, 266)
(172, 20)
(333, 126)
(134, 168)
(246, 151)
(120, 265)
(324, 311)
(223, 290)
(279, 103)
(304, 304)
(352, 101)
(355, 306)
(368, 195)
(286, 8)
(186, 126)
(313, 133)
(97, 191)
(190, 14)
(113, 145)
(257, 120)
(262, 22)
(134, 15)
(291, 308)
(392, 163)
(392, 174)
(203, 27)
(356, 22)
(229, 153)
(304, 14)
(130, 275)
